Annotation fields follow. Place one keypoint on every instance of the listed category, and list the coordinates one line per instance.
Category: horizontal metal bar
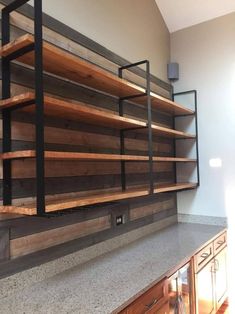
(185, 115)
(134, 96)
(191, 91)
(20, 52)
(132, 65)
(134, 129)
(19, 106)
(14, 5)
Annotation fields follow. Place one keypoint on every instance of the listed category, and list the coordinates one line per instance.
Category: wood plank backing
(74, 111)
(53, 135)
(151, 209)
(25, 168)
(64, 64)
(53, 155)
(42, 240)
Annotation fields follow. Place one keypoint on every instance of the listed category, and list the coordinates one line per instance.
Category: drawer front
(203, 257)
(164, 309)
(220, 243)
(151, 301)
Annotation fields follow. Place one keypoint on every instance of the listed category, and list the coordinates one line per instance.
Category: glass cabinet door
(180, 291)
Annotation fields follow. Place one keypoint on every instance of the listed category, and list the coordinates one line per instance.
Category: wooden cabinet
(220, 263)
(211, 276)
(155, 300)
(205, 289)
(200, 286)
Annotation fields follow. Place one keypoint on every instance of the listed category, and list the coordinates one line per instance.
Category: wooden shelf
(54, 155)
(71, 202)
(82, 112)
(170, 187)
(74, 111)
(67, 65)
(174, 159)
(52, 206)
(166, 132)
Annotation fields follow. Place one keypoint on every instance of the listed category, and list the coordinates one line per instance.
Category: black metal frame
(39, 101)
(195, 115)
(149, 125)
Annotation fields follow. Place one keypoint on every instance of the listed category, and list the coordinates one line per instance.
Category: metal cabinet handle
(220, 242)
(205, 255)
(149, 306)
(217, 265)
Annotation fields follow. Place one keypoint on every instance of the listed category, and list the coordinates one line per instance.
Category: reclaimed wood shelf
(68, 203)
(71, 202)
(82, 112)
(55, 155)
(74, 111)
(64, 64)
(166, 132)
(170, 187)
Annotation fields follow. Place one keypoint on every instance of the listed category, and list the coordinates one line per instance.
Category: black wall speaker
(173, 71)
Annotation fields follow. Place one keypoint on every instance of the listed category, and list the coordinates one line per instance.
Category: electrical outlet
(119, 220)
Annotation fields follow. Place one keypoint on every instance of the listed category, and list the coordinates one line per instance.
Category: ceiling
(180, 14)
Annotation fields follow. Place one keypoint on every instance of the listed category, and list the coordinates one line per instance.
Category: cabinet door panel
(205, 290)
(221, 277)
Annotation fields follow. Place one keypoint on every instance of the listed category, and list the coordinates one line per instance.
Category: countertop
(104, 284)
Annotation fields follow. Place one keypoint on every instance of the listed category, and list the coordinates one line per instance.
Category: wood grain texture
(43, 240)
(53, 135)
(52, 155)
(4, 243)
(169, 187)
(162, 131)
(77, 111)
(66, 65)
(151, 209)
(61, 204)
(57, 205)
(25, 168)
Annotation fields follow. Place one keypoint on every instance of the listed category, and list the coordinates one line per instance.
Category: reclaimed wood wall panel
(4, 244)
(43, 240)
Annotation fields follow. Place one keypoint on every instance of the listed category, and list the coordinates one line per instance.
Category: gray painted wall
(206, 54)
(133, 29)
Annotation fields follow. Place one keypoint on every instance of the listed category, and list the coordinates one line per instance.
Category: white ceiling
(180, 14)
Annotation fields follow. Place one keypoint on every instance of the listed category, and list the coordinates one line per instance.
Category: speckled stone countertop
(103, 284)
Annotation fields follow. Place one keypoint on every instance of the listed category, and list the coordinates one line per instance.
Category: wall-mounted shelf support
(147, 93)
(195, 115)
(37, 46)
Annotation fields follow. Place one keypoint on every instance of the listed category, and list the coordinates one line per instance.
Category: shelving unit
(33, 51)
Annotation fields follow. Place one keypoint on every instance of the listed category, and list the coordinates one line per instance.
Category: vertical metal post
(39, 102)
(197, 145)
(175, 165)
(122, 142)
(150, 132)
(6, 114)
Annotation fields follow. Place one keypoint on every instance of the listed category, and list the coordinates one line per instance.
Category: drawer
(203, 257)
(150, 301)
(220, 243)
(164, 309)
